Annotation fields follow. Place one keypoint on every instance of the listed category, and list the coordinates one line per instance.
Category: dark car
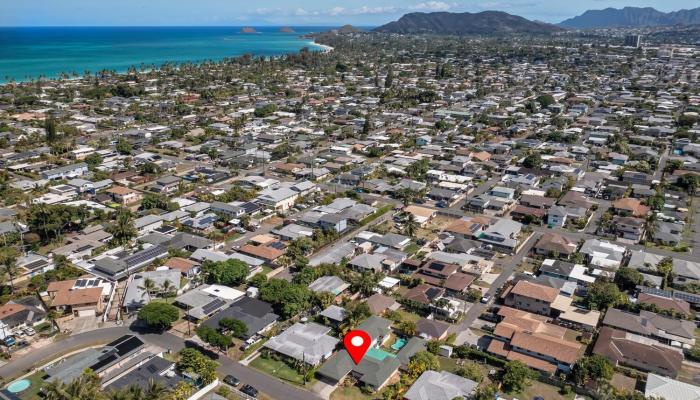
(232, 380)
(250, 391)
(489, 317)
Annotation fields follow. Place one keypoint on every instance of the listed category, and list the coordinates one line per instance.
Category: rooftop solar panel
(128, 346)
(117, 341)
(103, 362)
(689, 297)
(213, 305)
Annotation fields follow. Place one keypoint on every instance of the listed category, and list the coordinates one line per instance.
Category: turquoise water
(19, 386)
(399, 343)
(379, 354)
(27, 53)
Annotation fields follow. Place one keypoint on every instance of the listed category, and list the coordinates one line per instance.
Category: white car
(30, 331)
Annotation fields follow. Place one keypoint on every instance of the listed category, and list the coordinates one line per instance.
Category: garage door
(86, 313)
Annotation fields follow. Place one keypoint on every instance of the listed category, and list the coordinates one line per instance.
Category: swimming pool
(379, 354)
(399, 343)
(19, 386)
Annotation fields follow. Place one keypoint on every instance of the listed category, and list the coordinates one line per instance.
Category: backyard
(32, 393)
(278, 369)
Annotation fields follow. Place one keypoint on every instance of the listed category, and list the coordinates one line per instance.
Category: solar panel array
(128, 346)
(145, 255)
(689, 297)
(103, 362)
(656, 292)
(213, 305)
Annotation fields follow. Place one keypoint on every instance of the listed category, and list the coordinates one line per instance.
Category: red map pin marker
(357, 343)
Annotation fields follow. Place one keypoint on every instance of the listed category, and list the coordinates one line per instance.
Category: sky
(286, 12)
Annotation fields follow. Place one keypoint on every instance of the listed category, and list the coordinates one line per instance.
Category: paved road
(274, 388)
(662, 165)
(479, 190)
(507, 269)
(603, 206)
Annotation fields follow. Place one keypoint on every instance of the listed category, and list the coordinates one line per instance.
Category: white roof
(224, 292)
(666, 388)
(580, 273)
(389, 282)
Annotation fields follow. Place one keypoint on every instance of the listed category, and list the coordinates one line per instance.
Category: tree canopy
(516, 376)
(231, 272)
(159, 315)
(192, 360)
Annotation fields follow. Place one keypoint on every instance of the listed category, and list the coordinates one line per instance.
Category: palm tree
(8, 260)
(55, 390)
(123, 228)
(168, 288)
(149, 286)
(156, 390)
(651, 225)
(136, 393)
(411, 225)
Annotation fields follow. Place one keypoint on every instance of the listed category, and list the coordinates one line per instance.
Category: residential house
(66, 172)
(661, 387)
(530, 297)
(629, 228)
(630, 350)
(529, 338)
(629, 207)
(603, 254)
(664, 303)
(551, 244)
(166, 185)
(666, 330)
(258, 316)
(308, 343)
(431, 329)
(443, 385)
(124, 195)
(19, 313)
(82, 298)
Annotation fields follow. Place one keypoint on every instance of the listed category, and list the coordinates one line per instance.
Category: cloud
(364, 10)
(433, 6)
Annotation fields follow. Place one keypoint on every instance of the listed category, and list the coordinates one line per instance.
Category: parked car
(486, 298)
(489, 317)
(232, 380)
(9, 341)
(30, 331)
(250, 391)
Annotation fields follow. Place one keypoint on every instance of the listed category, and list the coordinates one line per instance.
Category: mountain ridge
(635, 17)
(482, 23)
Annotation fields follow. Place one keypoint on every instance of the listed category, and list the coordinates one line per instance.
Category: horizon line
(185, 26)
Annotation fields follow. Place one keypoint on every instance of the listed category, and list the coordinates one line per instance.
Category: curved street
(266, 384)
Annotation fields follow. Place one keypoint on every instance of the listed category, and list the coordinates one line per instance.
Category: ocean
(27, 53)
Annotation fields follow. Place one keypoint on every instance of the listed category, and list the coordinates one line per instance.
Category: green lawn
(412, 248)
(278, 369)
(408, 316)
(33, 392)
(354, 393)
(544, 390)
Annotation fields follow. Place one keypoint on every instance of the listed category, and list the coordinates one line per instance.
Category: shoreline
(51, 76)
(324, 47)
